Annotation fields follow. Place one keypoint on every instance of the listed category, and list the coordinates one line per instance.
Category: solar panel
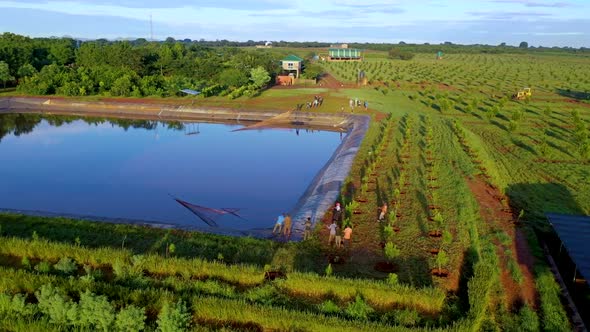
(574, 231)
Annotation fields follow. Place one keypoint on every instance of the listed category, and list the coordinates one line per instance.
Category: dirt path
(497, 216)
(330, 82)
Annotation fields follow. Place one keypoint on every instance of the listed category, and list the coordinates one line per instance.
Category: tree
(5, 73)
(523, 45)
(391, 251)
(259, 77)
(395, 53)
(313, 71)
(174, 317)
(233, 77)
(441, 259)
(26, 70)
(130, 318)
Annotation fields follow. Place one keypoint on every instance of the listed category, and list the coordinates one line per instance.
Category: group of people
(336, 237)
(283, 226)
(352, 103)
(317, 102)
(339, 239)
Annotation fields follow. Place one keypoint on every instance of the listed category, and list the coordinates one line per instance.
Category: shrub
(329, 307)
(395, 53)
(15, 307)
(529, 321)
(407, 317)
(4, 304)
(359, 309)
(61, 311)
(441, 259)
(130, 319)
(329, 270)
(25, 262)
(391, 251)
(43, 267)
(96, 311)
(264, 295)
(66, 265)
(392, 279)
(173, 317)
(120, 269)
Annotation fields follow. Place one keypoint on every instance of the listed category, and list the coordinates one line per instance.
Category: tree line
(65, 66)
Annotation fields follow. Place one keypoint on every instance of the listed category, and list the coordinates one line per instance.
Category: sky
(538, 22)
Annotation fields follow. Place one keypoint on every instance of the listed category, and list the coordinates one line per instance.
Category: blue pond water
(127, 169)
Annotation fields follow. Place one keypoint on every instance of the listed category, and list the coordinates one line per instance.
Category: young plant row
(440, 230)
(305, 285)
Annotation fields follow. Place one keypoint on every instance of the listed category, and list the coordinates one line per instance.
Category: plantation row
(488, 74)
(404, 170)
(440, 155)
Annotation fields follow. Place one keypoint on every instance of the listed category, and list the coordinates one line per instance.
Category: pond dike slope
(164, 112)
(318, 198)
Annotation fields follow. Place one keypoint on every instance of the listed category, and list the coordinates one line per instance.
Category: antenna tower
(151, 29)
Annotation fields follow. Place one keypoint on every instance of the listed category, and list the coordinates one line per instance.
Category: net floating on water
(208, 215)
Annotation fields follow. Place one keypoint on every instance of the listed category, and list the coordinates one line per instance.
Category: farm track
(492, 211)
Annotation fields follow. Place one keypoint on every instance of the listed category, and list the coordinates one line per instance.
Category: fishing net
(272, 122)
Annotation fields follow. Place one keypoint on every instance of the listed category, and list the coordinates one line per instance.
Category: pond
(131, 169)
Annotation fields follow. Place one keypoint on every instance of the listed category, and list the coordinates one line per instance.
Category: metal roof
(574, 232)
(344, 52)
(190, 92)
(292, 58)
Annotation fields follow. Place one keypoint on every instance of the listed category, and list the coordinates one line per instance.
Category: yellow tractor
(522, 94)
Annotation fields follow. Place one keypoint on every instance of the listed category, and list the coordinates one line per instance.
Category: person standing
(347, 236)
(366, 105)
(279, 224)
(332, 229)
(307, 230)
(287, 226)
(337, 214)
(383, 212)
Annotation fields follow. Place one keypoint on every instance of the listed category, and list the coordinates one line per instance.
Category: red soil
(330, 82)
(577, 102)
(494, 214)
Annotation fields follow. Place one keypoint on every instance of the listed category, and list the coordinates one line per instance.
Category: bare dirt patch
(330, 82)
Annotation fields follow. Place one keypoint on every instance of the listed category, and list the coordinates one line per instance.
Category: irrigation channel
(67, 160)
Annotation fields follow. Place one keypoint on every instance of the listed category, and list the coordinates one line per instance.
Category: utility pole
(151, 29)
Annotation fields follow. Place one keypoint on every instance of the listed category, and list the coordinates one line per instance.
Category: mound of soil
(272, 275)
(435, 234)
(442, 273)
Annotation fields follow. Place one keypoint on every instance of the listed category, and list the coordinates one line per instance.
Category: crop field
(464, 166)
(467, 174)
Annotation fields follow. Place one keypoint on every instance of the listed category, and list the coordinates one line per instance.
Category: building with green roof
(292, 64)
(344, 54)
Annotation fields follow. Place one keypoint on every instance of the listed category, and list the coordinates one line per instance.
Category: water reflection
(122, 168)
